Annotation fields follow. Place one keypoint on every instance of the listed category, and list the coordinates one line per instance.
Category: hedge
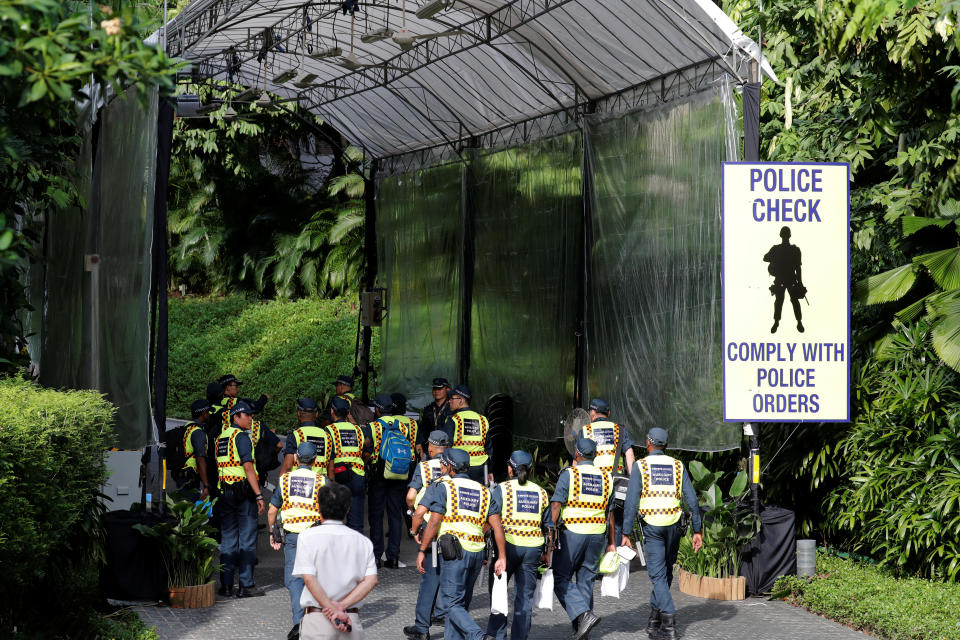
(285, 349)
(52, 446)
(871, 599)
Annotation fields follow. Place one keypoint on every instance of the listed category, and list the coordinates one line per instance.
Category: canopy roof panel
(393, 82)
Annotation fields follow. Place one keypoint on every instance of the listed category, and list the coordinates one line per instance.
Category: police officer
(656, 487)
(459, 506)
(429, 610)
(240, 503)
(525, 515)
(297, 504)
(308, 431)
(196, 482)
(614, 448)
(231, 391)
(583, 500)
(434, 415)
(408, 426)
(384, 494)
(348, 458)
(266, 446)
(467, 430)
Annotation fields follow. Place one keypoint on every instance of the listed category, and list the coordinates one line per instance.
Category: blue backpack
(395, 451)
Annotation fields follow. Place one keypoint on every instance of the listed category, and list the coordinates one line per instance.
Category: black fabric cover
(773, 553)
(751, 122)
(159, 339)
(134, 569)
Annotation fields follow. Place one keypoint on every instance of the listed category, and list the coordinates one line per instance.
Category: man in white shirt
(341, 560)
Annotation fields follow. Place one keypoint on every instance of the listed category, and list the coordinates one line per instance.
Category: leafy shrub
(188, 549)
(870, 598)
(287, 350)
(52, 446)
(122, 624)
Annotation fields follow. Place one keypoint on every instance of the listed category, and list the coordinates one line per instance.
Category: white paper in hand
(543, 595)
(498, 597)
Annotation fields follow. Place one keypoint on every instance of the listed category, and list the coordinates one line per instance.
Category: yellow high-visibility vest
(522, 513)
(429, 471)
(319, 437)
(191, 456)
(227, 405)
(586, 508)
(470, 434)
(467, 506)
(301, 506)
(408, 427)
(347, 445)
(662, 490)
(228, 460)
(607, 436)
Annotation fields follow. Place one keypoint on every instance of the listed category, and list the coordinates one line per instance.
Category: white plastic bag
(543, 595)
(623, 575)
(609, 586)
(498, 597)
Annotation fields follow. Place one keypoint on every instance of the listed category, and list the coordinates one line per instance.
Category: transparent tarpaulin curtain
(128, 143)
(419, 250)
(527, 206)
(654, 296)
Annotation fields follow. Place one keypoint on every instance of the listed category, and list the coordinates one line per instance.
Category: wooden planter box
(196, 597)
(712, 588)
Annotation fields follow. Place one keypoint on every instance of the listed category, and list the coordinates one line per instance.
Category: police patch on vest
(435, 472)
(349, 439)
(223, 447)
(471, 427)
(661, 474)
(302, 487)
(591, 485)
(321, 443)
(468, 500)
(528, 502)
(604, 436)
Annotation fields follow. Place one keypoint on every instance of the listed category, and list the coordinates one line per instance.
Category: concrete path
(390, 607)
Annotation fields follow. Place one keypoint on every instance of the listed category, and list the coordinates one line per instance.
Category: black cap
(461, 390)
(347, 380)
(399, 402)
(441, 383)
(227, 379)
(383, 401)
(306, 404)
(199, 406)
(240, 407)
(600, 406)
(339, 404)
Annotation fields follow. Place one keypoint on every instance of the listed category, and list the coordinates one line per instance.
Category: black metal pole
(370, 257)
(468, 222)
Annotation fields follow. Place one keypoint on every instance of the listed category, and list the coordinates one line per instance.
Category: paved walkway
(390, 607)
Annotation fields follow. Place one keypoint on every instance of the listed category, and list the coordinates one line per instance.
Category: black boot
(668, 630)
(585, 622)
(653, 624)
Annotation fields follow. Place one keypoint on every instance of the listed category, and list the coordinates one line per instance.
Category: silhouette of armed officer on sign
(784, 259)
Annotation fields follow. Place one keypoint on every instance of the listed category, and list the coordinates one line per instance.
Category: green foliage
(51, 469)
(727, 525)
(122, 624)
(871, 599)
(187, 545)
(287, 350)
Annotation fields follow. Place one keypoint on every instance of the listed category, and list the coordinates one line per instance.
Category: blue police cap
(461, 390)
(240, 407)
(228, 379)
(439, 438)
(306, 404)
(340, 404)
(657, 436)
(307, 452)
(199, 406)
(520, 459)
(600, 406)
(458, 459)
(586, 447)
(347, 380)
(383, 401)
(399, 402)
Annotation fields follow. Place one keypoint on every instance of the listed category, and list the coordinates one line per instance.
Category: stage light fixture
(376, 35)
(332, 52)
(285, 76)
(432, 7)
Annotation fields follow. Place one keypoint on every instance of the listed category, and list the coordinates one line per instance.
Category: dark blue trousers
(522, 565)
(386, 495)
(578, 557)
(660, 545)
(357, 485)
(457, 578)
(238, 541)
(428, 604)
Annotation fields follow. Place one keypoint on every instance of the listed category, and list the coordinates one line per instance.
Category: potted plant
(727, 527)
(188, 553)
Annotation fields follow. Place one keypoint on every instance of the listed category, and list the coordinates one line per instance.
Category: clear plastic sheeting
(128, 143)
(419, 248)
(527, 212)
(654, 295)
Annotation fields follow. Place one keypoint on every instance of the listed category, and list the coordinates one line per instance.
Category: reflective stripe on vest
(467, 506)
(255, 433)
(228, 460)
(662, 490)
(429, 471)
(347, 445)
(607, 436)
(586, 508)
(190, 461)
(470, 434)
(301, 505)
(408, 427)
(227, 405)
(318, 436)
(522, 513)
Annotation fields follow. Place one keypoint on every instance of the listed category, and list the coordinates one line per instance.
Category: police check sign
(786, 292)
